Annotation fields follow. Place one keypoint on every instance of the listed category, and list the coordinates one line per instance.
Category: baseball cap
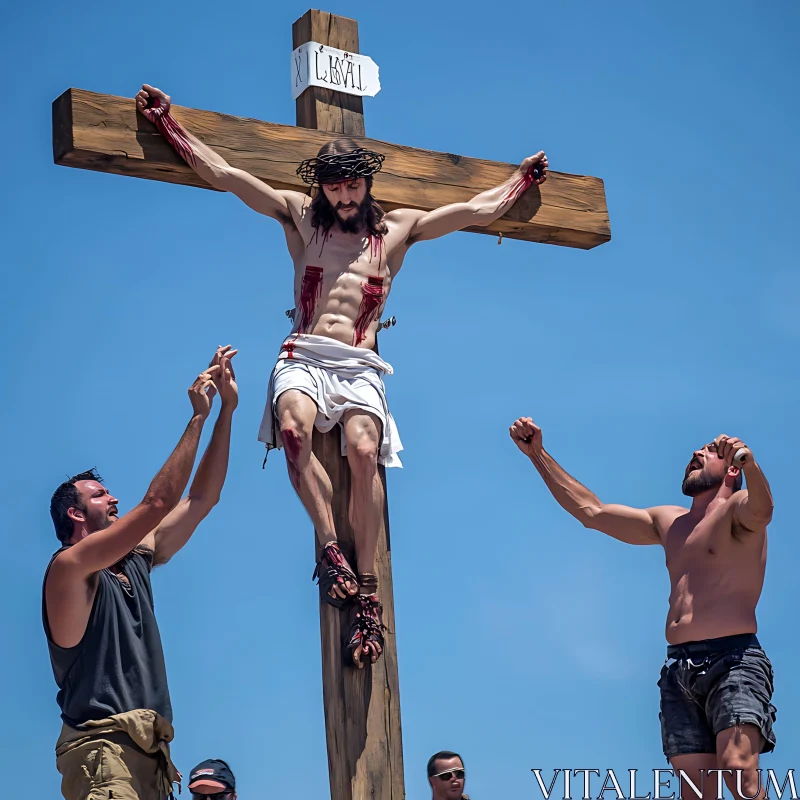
(212, 770)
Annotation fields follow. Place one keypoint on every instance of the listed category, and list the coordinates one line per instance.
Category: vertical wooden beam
(319, 107)
(362, 707)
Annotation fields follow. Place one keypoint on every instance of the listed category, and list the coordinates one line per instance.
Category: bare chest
(706, 545)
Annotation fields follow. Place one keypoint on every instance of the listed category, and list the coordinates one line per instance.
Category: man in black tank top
(97, 608)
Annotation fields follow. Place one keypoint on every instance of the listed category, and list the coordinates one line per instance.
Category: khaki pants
(105, 762)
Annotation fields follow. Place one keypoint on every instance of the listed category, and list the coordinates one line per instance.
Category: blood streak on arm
(172, 131)
(372, 296)
(519, 187)
(310, 292)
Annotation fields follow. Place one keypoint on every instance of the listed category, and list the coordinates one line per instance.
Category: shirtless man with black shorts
(346, 252)
(716, 684)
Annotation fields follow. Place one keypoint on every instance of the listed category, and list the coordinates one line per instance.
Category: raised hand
(728, 446)
(226, 380)
(152, 102)
(202, 391)
(536, 167)
(526, 436)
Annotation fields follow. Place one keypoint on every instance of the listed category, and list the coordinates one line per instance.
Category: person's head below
(706, 471)
(446, 776)
(212, 778)
(81, 506)
(343, 172)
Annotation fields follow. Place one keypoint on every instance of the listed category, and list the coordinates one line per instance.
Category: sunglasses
(458, 774)
(226, 795)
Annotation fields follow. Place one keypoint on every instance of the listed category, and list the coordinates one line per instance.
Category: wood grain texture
(318, 107)
(105, 133)
(362, 707)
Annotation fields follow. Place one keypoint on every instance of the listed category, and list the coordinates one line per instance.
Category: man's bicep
(628, 524)
(176, 529)
(440, 221)
(105, 548)
(743, 515)
(260, 196)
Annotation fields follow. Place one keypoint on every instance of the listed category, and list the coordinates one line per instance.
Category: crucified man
(346, 252)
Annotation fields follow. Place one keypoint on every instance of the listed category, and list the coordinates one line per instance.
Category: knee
(363, 454)
(744, 771)
(296, 440)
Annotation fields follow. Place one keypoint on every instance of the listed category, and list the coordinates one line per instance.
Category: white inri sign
(314, 64)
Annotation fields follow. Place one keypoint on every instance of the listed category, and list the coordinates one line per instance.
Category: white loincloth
(336, 377)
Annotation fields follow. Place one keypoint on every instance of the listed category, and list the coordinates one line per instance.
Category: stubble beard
(699, 481)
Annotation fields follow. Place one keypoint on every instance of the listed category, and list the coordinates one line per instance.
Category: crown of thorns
(332, 168)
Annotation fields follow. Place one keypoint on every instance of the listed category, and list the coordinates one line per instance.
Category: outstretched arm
(211, 166)
(105, 548)
(484, 208)
(179, 525)
(630, 525)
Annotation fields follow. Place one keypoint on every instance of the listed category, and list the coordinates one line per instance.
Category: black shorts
(711, 685)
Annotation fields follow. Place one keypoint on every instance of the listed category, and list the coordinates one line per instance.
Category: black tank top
(119, 664)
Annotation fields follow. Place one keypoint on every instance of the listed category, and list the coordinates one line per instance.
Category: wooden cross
(105, 133)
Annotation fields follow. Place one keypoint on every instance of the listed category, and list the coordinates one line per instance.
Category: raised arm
(179, 525)
(753, 507)
(104, 548)
(212, 167)
(484, 208)
(630, 525)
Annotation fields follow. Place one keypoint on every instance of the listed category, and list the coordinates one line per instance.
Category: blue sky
(524, 640)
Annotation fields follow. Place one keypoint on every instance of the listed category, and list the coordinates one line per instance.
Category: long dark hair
(323, 214)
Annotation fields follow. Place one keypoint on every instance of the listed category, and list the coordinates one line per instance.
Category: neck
(78, 534)
(706, 502)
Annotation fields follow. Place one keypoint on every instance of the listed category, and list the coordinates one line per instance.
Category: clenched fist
(526, 436)
(152, 102)
(727, 448)
(536, 167)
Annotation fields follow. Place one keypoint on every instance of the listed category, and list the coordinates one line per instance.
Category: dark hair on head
(323, 214)
(441, 754)
(66, 497)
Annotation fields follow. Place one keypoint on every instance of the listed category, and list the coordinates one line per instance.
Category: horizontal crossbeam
(105, 133)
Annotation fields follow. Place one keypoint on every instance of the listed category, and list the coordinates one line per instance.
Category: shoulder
(297, 201)
(400, 222)
(403, 216)
(298, 204)
(664, 516)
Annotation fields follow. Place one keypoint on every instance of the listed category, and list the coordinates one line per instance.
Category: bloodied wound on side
(346, 252)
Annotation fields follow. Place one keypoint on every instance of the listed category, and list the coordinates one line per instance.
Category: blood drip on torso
(372, 296)
(310, 293)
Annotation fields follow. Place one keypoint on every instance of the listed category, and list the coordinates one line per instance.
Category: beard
(101, 521)
(354, 223)
(698, 481)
